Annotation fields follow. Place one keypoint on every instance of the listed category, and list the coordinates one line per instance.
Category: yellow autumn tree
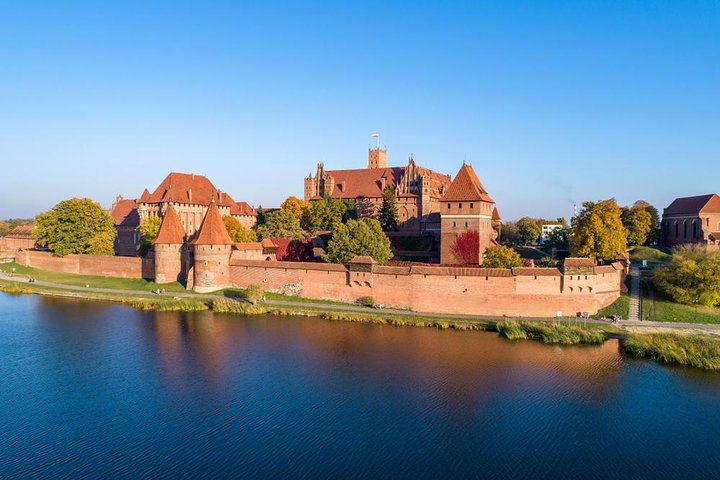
(598, 232)
(294, 206)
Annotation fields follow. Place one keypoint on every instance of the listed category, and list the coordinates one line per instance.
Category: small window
(459, 205)
(448, 206)
(454, 225)
(466, 224)
(471, 205)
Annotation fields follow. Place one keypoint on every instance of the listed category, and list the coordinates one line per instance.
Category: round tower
(168, 248)
(212, 248)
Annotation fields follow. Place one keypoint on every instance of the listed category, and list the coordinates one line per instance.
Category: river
(97, 390)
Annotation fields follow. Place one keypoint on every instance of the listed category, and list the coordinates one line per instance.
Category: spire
(212, 231)
(171, 230)
(466, 187)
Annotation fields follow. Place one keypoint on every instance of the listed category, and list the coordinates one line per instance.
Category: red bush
(294, 250)
(467, 247)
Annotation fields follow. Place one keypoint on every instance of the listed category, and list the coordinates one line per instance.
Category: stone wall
(101, 265)
(525, 292)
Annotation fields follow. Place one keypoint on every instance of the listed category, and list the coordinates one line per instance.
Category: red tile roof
(22, 231)
(496, 214)
(212, 231)
(466, 187)
(171, 230)
(536, 271)
(124, 212)
(578, 262)
(694, 205)
(364, 182)
(246, 246)
(242, 208)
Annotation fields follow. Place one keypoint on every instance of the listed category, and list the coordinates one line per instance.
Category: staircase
(635, 301)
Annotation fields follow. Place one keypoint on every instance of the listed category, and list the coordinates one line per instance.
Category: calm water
(91, 390)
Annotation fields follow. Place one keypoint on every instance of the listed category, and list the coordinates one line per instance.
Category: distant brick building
(189, 194)
(465, 207)
(21, 237)
(692, 220)
(417, 189)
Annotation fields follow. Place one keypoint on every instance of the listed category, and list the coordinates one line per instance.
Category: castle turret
(465, 207)
(168, 248)
(377, 158)
(212, 248)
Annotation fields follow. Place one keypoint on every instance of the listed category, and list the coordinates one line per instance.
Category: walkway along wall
(519, 292)
(101, 265)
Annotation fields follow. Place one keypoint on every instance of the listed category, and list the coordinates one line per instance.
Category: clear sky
(551, 102)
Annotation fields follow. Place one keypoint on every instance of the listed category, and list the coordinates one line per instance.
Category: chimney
(190, 195)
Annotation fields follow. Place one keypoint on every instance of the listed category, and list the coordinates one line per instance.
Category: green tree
(528, 230)
(598, 232)
(281, 224)
(500, 256)
(77, 225)
(509, 234)
(148, 229)
(388, 211)
(637, 221)
(653, 236)
(363, 237)
(238, 233)
(326, 213)
(260, 215)
(691, 277)
(558, 239)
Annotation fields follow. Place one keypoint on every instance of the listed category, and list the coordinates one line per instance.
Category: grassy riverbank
(620, 307)
(551, 332)
(692, 350)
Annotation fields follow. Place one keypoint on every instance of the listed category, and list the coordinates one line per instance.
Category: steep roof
(171, 230)
(212, 231)
(189, 188)
(242, 208)
(466, 187)
(496, 214)
(364, 182)
(124, 212)
(693, 205)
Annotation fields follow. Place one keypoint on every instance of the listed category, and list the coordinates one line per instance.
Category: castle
(418, 190)
(190, 194)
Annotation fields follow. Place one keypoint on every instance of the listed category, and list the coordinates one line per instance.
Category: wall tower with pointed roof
(212, 249)
(169, 248)
(466, 206)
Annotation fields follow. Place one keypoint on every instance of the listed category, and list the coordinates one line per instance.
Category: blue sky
(551, 102)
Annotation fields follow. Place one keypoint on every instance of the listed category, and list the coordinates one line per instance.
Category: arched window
(676, 229)
(684, 228)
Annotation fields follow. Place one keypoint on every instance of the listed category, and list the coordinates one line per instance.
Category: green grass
(620, 307)
(92, 280)
(662, 310)
(691, 350)
(554, 333)
(15, 289)
(240, 293)
(653, 255)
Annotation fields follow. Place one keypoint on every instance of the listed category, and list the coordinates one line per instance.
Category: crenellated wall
(522, 292)
(101, 265)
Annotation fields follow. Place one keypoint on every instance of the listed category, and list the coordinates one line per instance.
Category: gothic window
(453, 224)
(684, 228)
(676, 229)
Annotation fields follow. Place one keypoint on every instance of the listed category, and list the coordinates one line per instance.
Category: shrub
(368, 301)
(254, 294)
(223, 305)
(500, 256)
(168, 305)
(692, 277)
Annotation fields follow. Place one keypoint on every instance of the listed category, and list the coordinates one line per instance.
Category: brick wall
(101, 265)
(493, 292)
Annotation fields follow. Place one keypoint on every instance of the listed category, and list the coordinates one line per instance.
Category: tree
(260, 215)
(509, 234)
(558, 239)
(528, 230)
(326, 213)
(692, 276)
(499, 256)
(388, 211)
(467, 247)
(653, 236)
(295, 206)
(281, 224)
(6, 226)
(358, 237)
(77, 225)
(598, 232)
(637, 221)
(148, 230)
(238, 233)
